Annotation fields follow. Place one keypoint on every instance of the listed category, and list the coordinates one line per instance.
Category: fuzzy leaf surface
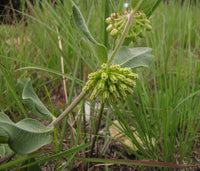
(32, 101)
(25, 136)
(133, 57)
(97, 49)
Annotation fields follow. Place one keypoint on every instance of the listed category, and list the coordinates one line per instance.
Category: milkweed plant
(114, 79)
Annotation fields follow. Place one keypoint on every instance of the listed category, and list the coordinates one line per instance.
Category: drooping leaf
(25, 136)
(147, 6)
(133, 57)
(97, 49)
(32, 101)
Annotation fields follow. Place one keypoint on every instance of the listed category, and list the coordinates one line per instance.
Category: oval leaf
(133, 57)
(32, 101)
(27, 135)
(97, 49)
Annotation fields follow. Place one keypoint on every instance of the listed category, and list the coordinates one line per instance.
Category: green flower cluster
(111, 82)
(139, 25)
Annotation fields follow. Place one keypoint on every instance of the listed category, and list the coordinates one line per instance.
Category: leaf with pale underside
(133, 57)
(32, 101)
(97, 49)
(25, 136)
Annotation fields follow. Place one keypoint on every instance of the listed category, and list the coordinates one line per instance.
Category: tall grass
(166, 103)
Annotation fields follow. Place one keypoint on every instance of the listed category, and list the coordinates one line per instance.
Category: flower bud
(104, 76)
(101, 84)
(89, 85)
(132, 76)
(95, 93)
(130, 82)
(148, 27)
(122, 87)
(123, 93)
(113, 78)
(125, 70)
(105, 96)
(112, 88)
(110, 28)
(114, 32)
(120, 77)
(93, 75)
(129, 90)
(109, 20)
(114, 15)
(114, 68)
(104, 67)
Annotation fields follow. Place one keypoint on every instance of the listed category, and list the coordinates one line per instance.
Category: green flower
(111, 83)
(139, 25)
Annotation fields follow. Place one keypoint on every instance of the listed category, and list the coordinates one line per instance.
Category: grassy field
(165, 107)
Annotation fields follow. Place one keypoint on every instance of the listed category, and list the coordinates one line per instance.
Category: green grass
(165, 106)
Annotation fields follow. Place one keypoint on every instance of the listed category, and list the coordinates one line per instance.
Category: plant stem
(97, 129)
(106, 5)
(127, 26)
(69, 108)
(121, 40)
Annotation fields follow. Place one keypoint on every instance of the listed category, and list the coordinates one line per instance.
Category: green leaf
(147, 6)
(133, 57)
(3, 137)
(25, 136)
(4, 150)
(97, 49)
(32, 101)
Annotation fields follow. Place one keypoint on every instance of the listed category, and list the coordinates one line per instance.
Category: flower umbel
(111, 82)
(117, 22)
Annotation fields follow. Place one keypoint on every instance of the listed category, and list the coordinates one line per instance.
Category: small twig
(62, 66)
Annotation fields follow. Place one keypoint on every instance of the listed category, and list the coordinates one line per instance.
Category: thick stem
(121, 40)
(69, 109)
(97, 129)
